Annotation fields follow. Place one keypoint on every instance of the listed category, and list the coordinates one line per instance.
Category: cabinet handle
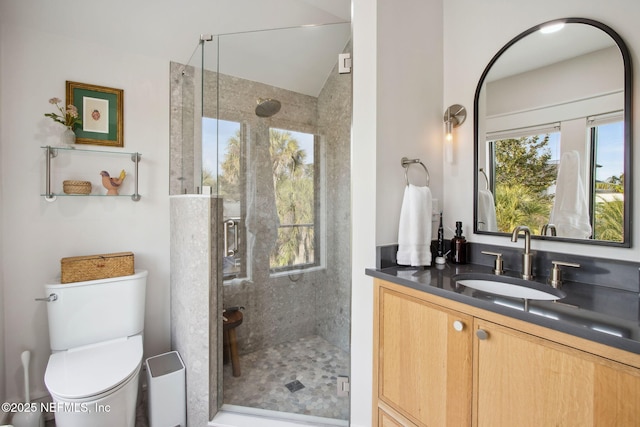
(458, 325)
(482, 334)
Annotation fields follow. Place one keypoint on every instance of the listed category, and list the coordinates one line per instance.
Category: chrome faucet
(543, 230)
(527, 256)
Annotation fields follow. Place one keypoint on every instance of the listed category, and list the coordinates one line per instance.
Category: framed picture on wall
(101, 111)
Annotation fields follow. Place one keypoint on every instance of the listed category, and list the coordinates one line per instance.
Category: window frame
(319, 217)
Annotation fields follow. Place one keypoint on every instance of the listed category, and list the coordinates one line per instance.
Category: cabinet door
(423, 360)
(523, 380)
(386, 420)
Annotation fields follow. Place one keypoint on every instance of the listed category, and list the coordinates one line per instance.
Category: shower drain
(294, 386)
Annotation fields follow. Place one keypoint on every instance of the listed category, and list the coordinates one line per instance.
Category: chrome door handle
(50, 298)
(228, 225)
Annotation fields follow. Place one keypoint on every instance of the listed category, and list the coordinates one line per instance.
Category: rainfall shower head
(267, 107)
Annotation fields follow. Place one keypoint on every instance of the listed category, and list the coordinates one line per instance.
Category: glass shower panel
(221, 166)
(287, 320)
(187, 94)
(279, 195)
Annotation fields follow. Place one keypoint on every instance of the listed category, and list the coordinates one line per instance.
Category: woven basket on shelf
(76, 187)
(93, 267)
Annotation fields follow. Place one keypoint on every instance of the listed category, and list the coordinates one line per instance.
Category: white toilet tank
(97, 310)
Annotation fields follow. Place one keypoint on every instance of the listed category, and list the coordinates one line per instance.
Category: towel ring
(408, 162)
(486, 178)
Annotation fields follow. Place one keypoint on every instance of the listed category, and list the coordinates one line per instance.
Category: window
(607, 179)
(222, 148)
(296, 182)
(296, 174)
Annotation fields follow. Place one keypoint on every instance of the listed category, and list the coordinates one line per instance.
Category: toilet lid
(91, 370)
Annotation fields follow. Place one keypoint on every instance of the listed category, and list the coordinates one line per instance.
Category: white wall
(36, 233)
(3, 397)
(473, 32)
(363, 206)
(573, 80)
(397, 112)
(409, 104)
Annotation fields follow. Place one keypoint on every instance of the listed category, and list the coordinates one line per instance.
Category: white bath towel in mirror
(570, 213)
(414, 232)
(486, 211)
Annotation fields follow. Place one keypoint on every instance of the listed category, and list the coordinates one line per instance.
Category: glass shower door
(275, 150)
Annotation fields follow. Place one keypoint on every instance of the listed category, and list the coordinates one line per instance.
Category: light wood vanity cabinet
(523, 379)
(386, 420)
(422, 360)
(432, 369)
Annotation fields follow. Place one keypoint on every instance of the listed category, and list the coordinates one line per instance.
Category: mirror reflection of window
(523, 172)
(296, 182)
(577, 78)
(607, 179)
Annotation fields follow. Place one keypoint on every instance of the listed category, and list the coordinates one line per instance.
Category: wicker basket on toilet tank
(94, 267)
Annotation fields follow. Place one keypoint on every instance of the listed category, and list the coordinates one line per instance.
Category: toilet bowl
(96, 385)
(95, 330)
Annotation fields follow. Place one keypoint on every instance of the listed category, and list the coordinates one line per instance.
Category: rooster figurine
(112, 184)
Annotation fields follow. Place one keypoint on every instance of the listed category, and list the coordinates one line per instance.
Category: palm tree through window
(295, 178)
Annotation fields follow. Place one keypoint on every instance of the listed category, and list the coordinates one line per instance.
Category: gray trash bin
(166, 390)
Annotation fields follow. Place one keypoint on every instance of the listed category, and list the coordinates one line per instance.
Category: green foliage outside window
(524, 175)
(609, 211)
(294, 185)
(293, 180)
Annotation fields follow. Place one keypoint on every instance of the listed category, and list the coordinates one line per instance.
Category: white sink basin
(509, 287)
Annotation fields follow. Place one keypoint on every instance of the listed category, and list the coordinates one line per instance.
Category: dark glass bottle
(440, 252)
(459, 246)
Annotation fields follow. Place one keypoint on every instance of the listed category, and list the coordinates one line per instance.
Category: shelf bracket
(135, 158)
(51, 153)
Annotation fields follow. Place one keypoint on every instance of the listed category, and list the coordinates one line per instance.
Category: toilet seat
(90, 371)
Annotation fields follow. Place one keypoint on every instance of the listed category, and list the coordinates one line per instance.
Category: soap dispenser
(459, 246)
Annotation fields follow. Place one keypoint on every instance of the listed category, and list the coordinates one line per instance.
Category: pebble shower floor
(308, 366)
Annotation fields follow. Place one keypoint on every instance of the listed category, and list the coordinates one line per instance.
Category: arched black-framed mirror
(552, 133)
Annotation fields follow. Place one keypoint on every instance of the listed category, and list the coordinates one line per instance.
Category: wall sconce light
(454, 116)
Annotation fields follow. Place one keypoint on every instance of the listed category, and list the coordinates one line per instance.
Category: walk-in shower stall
(260, 221)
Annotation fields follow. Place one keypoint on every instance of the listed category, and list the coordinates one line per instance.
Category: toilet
(95, 331)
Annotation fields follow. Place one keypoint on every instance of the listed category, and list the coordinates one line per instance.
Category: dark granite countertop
(602, 314)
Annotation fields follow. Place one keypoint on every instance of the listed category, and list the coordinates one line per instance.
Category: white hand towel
(414, 232)
(570, 213)
(486, 211)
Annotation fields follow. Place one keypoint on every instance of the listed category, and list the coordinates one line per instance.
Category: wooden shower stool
(230, 322)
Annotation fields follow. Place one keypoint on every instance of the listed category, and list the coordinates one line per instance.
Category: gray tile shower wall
(284, 308)
(333, 297)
